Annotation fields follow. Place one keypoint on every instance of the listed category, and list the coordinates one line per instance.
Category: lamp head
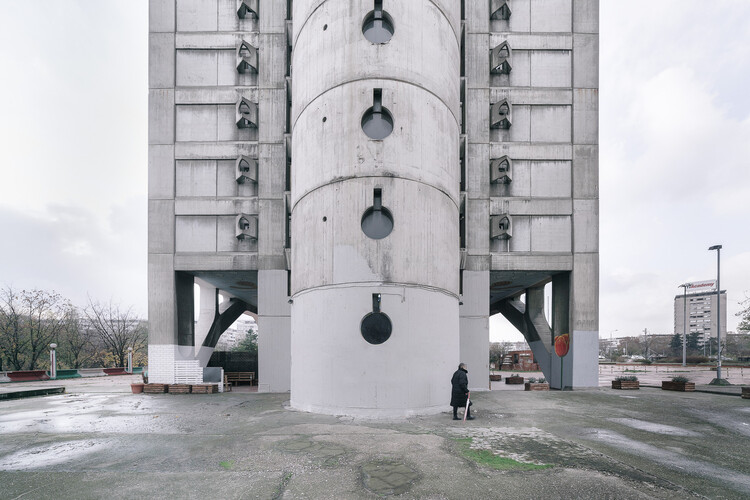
(715, 247)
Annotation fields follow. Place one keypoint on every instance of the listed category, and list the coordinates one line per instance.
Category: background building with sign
(701, 314)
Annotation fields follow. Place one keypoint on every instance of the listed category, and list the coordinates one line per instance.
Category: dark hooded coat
(460, 382)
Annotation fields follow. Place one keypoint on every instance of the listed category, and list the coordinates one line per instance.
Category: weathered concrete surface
(601, 444)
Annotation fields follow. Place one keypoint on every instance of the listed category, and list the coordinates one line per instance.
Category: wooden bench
(237, 377)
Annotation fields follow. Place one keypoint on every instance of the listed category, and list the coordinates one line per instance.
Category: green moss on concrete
(489, 459)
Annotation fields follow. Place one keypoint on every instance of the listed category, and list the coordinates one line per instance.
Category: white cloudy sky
(674, 134)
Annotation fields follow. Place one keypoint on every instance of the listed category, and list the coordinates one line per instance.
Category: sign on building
(701, 286)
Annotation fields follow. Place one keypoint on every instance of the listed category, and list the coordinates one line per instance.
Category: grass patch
(635, 371)
(227, 464)
(489, 459)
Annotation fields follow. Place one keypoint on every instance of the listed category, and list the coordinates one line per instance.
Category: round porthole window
(378, 27)
(377, 223)
(377, 124)
(376, 328)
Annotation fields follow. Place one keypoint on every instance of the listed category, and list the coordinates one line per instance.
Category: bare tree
(12, 340)
(117, 329)
(744, 315)
(29, 321)
(76, 344)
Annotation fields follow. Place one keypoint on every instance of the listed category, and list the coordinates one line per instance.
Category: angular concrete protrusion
(500, 170)
(247, 113)
(247, 7)
(246, 227)
(247, 58)
(500, 227)
(500, 59)
(500, 10)
(246, 169)
(500, 115)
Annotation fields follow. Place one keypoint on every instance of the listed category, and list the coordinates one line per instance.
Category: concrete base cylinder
(384, 380)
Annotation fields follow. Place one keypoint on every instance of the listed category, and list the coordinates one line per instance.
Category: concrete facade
(265, 184)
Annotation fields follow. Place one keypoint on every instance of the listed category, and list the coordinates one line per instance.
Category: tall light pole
(610, 342)
(684, 322)
(52, 361)
(718, 310)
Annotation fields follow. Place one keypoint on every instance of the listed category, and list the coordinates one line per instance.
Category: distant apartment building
(701, 314)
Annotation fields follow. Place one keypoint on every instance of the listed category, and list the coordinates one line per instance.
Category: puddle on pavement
(672, 459)
(92, 413)
(52, 454)
(643, 425)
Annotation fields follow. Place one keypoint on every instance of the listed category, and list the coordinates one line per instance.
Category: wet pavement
(98, 440)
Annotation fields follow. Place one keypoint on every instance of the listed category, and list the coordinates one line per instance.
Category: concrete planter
(496, 378)
(514, 380)
(746, 393)
(115, 371)
(626, 384)
(205, 388)
(528, 386)
(28, 376)
(668, 385)
(180, 388)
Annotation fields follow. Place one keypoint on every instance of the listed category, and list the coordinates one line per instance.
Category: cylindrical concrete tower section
(375, 243)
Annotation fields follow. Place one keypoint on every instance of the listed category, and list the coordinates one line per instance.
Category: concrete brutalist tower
(373, 179)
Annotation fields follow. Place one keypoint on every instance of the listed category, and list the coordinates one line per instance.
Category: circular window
(377, 124)
(376, 328)
(377, 224)
(378, 27)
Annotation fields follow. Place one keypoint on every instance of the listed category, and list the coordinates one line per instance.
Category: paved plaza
(98, 440)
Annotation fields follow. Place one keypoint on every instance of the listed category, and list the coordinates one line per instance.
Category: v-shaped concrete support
(529, 319)
(224, 315)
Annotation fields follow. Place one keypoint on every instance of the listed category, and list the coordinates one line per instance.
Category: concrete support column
(561, 307)
(207, 313)
(208, 308)
(475, 327)
(274, 326)
(162, 312)
(584, 342)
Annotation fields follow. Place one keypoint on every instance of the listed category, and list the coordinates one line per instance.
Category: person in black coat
(460, 392)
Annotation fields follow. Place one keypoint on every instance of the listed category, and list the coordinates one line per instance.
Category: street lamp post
(610, 342)
(718, 310)
(52, 361)
(684, 322)
(130, 360)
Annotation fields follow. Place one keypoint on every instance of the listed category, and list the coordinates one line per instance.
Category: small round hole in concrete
(325, 218)
(325, 27)
(324, 119)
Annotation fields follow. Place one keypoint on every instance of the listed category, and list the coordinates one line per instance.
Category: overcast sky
(674, 156)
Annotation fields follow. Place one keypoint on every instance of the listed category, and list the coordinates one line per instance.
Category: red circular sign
(562, 344)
